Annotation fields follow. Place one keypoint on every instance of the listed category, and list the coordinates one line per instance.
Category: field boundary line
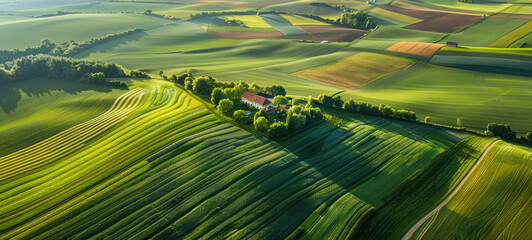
(437, 209)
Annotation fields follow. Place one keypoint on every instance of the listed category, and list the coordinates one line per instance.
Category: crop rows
(67, 141)
(513, 36)
(493, 203)
(171, 170)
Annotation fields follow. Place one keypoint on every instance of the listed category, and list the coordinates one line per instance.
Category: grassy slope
(172, 165)
(299, 20)
(494, 202)
(476, 36)
(396, 16)
(447, 93)
(513, 36)
(36, 109)
(78, 27)
(281, 24)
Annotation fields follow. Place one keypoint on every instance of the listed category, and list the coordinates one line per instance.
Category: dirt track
(414, 228)
(435, 21)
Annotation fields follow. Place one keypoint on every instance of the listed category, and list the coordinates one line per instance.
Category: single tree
(280, 100)
(261, 124)
(278, 130)
(529, 138)
(217, 95)
(239, 115)
(225, 105)
(458, 122)
(427, 119)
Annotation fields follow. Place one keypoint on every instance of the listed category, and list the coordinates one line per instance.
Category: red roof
(255, 98)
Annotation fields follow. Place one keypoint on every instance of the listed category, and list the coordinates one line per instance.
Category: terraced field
(498, 191)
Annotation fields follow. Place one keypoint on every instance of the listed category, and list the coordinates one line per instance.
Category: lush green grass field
(36, 109)
(401, 34)
(493, 203)
(170, 169)
(513, 36)
(512, 51)
(78, 27)
(281, 24)
(299, 20)
(445, 94)
(396, 16)
(485, 32)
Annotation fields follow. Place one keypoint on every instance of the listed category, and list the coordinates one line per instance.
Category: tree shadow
(11, 93)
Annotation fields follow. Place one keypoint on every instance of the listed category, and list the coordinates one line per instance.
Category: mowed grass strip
(513, 36)
(416, 48)
(300, 20)
(396, 16)
(495, 201)
(356, 71)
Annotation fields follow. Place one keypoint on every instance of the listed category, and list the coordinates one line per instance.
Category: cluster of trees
(359, 20)
(337, 7)
(150, 13)
(59, 13)
(505, 132)
(138, 74)
(228, 22)
(64, 49)
(366, 108)
(61, 68)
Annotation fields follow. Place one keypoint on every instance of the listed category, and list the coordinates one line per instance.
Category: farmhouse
(452, 44)
(256, 101)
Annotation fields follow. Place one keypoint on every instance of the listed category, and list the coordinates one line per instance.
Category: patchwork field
(356, 71)
(415, 48)
(498, 191)
(396, 16)
(476, 36)
(513, 36)
(434, 21)
(281, 24)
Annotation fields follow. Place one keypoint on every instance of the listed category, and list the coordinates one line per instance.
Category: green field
(78, 27)
(40, 108)
(476, 35)
(445, 94)
(169, 160)
(156, 161)
(494, 201)
(513, 36)
(281, 24)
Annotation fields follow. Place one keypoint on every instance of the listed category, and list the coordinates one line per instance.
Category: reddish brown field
(435, 21)
(416, 48)
(316, 33)
(511, 15)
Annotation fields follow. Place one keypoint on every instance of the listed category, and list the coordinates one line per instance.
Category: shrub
(239, 115)
(278, 130)
(261, 124)
(225, 106)
(427, 119)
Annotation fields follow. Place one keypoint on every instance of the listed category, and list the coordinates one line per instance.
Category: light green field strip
(515, 51)
(493, 203)
(396, 16)
(300, 20)
(513, 36)
(69, 140)
(252, 21)
(281, 24)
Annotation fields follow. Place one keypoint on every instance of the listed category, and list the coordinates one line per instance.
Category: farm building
(452, 44)
(256, 101)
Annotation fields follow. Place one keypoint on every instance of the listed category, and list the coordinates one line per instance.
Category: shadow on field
(11, 92)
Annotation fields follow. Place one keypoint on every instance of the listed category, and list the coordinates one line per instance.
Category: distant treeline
(366, 108)
(59, 13)
(64, 49)
(61, 68)
(150, 13)
(337, 7)
(358, 19)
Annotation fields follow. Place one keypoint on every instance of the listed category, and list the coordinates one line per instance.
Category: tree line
(64, 49)
(366, 108)
(61, 68)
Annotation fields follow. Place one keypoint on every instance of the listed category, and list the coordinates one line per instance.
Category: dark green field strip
(502, 56)
(419, 192)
